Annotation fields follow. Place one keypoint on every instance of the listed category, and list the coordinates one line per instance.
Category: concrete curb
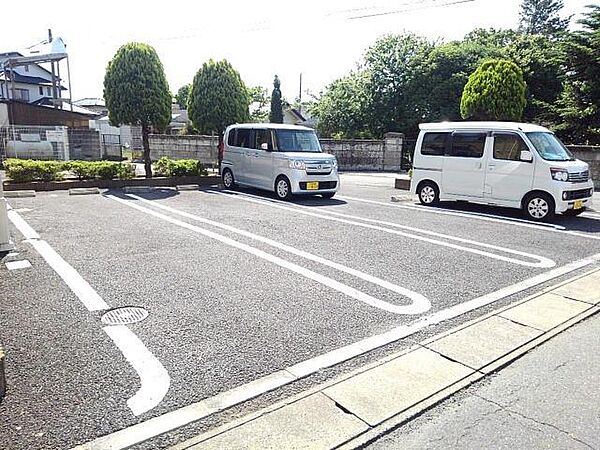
(19, 194)
(497, 338)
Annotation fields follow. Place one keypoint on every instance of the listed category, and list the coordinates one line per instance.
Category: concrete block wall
(201, 148)
(591, 155)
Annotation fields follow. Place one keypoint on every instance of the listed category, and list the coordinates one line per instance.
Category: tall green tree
(259, 101)
(542, 17)
(183, 95)
(343, 109)
(276, 114)
(579, 106)
(395, 64)
(218, 98)
(495, 91)
(137, 93)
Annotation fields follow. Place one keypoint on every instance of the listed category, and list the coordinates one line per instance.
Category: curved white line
(419, 304)
(154, 378)
(542, 262)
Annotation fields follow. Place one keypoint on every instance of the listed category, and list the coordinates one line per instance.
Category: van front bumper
(574, 196)
(303, 183)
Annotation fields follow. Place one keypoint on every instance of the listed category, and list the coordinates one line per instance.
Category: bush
(167, 167)
(27, 170)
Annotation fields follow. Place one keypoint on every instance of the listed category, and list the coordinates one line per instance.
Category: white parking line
(419, 304)
(482, 216)
(541, 262)
(471, 215)
(156, 426)
(154, 378)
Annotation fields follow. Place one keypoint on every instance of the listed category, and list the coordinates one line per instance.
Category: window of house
(41, 90)
(468, 145)
(49, 92)
(508, 146)
(244, 138)
(262, 137)
(434, 144)
(22, 95)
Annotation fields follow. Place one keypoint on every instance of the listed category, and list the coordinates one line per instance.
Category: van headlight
(559, 174)
(334, 163)
(297, 164)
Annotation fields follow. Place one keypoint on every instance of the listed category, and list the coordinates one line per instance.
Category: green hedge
(167, 167)
(26, 170)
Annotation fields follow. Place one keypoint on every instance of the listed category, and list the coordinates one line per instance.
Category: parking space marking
(485, 217)
(541, 262)
(154, 378)
(471, 215)
(194, 412)
(419, 304)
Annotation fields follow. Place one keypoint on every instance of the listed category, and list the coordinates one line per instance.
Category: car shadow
(304, 200)
(153, 194)
(571, 223)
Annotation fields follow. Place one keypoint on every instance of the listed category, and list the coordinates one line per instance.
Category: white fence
(34, 142)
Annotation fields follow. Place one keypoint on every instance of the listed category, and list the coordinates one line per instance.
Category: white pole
(5, 243)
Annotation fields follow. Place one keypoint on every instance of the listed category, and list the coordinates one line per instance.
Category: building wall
(201, 148)
(591, 155)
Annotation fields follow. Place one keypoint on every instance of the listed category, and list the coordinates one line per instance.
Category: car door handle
(491, 167)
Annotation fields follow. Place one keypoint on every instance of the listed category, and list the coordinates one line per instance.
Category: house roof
(7, 55)
(90, 101)
(47, 102)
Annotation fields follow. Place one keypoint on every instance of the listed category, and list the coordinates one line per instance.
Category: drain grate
(124, 315)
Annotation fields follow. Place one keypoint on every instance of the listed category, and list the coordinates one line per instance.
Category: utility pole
(300, 96)
(53, 70)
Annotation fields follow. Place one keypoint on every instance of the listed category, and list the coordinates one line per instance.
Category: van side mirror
(526, 156)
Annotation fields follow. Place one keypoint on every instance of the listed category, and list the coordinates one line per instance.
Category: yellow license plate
(312, 186)
(578, 204)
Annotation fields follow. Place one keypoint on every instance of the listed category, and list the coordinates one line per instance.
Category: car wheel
(283, 190)
(429, 194)
(538, 207)
(228, 180)
(328, 195)
(573, 212)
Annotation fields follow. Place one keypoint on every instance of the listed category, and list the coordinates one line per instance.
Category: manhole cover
(124, 315)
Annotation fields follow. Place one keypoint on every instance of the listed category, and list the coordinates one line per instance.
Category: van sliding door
(464, 167)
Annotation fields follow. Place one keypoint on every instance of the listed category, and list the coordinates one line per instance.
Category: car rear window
(468, 145)
(434, 144)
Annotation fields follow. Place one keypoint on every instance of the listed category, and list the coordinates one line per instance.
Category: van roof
(280, 126)
(512, 126)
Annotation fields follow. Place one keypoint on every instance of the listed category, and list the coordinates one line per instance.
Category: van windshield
(549, 146)
(297, 141)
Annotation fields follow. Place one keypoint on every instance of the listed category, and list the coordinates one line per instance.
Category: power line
(387, 13)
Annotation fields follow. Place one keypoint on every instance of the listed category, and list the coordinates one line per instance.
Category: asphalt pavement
(239, 286)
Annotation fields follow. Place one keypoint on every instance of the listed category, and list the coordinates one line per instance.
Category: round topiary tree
(218, 98)
(137, 93)
(495, 91)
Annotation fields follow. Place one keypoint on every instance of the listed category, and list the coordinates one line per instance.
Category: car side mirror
(265, 146)
(526, 156)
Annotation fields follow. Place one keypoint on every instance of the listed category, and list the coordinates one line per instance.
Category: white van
(285, 159)
(500, 163)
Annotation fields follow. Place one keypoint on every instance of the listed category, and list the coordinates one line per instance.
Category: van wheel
(429, 194)
(283, 190)
(228, 180)
(328, 195)
(538, 206)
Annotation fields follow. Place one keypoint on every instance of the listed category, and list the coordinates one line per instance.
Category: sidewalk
(546, 391)
(548, 399)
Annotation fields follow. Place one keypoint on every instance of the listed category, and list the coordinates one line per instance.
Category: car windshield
(549, 146)
(298, 141)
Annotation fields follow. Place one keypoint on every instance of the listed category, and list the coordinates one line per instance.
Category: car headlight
(297, 164)
(559, 174)
(334, 163)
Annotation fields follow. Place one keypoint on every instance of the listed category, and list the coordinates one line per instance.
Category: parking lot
(239, 286)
